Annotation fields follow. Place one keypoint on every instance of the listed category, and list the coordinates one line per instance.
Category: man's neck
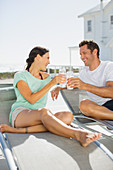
(94, 65)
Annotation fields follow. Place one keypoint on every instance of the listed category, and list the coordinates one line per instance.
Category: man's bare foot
(6, 128)
(86, 138)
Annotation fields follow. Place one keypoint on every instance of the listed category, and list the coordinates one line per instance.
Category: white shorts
(16, 112)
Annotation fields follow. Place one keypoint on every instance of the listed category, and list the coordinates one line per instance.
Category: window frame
(89, 25)
(111, 21)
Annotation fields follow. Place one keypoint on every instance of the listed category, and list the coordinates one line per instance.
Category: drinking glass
(62, 70)
(69, 74)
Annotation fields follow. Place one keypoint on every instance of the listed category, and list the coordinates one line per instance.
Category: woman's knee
(66, 117)
(45, 113)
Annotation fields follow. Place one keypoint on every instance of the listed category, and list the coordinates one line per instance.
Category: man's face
(86, 55)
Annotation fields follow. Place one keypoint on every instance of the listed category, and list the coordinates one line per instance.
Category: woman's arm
(55, 92)
(34, 97)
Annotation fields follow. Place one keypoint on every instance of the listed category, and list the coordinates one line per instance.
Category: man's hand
(75, 83)
(55, 93)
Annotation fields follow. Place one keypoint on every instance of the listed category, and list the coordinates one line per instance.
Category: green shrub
(7, 75)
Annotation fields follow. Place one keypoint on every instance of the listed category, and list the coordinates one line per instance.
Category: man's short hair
(90, 45)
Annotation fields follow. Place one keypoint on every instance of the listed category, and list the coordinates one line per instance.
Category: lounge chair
(73, 98)
(46, 151)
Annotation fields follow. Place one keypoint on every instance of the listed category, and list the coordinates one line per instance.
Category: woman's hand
(75, 83)
(55, 93)
(60, 78)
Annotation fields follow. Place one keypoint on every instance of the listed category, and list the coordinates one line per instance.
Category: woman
(28, 114)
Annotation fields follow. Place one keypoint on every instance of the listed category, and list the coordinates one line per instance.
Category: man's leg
(94, 110)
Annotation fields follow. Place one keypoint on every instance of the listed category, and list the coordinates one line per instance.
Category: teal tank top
(35, 85)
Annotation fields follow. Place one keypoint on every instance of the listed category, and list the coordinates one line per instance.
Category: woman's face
(44, 61)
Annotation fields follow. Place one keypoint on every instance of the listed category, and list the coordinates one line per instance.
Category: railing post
(55, 70)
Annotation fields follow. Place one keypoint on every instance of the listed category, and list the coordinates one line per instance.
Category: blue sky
(53, 24)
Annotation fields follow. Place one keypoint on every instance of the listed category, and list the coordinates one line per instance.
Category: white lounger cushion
(46, 151)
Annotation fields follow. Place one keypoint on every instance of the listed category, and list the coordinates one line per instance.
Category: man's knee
(87, 107)
(83, 104)
(66, 117)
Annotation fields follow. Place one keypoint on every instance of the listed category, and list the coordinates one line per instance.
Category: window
(89, 25)
(111, 21)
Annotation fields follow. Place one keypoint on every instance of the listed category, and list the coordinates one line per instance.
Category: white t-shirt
(98, 77)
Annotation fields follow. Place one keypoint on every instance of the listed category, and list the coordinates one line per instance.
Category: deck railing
(54, 69)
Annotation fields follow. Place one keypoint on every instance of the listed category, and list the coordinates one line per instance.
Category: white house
(98, 26)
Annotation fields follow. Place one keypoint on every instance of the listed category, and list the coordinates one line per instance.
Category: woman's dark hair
(91, 45)
(33, 53)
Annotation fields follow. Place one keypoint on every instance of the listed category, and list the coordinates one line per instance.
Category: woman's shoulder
(19, 73)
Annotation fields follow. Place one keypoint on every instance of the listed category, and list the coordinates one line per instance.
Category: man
(97, 79)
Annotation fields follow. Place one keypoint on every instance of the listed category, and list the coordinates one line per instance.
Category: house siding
(101, 37)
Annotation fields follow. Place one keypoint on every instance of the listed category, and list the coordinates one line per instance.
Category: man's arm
(106, 92)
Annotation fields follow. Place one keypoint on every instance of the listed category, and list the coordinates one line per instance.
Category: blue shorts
(109, 104)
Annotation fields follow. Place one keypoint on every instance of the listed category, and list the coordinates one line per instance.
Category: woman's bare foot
(86, 138)
(6, 128)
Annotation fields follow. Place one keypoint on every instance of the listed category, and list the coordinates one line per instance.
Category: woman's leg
(65, 116)
(30, 121)
(30, 118)
(94, 110)
(54, 125)
(26, 119)
(30, 129)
